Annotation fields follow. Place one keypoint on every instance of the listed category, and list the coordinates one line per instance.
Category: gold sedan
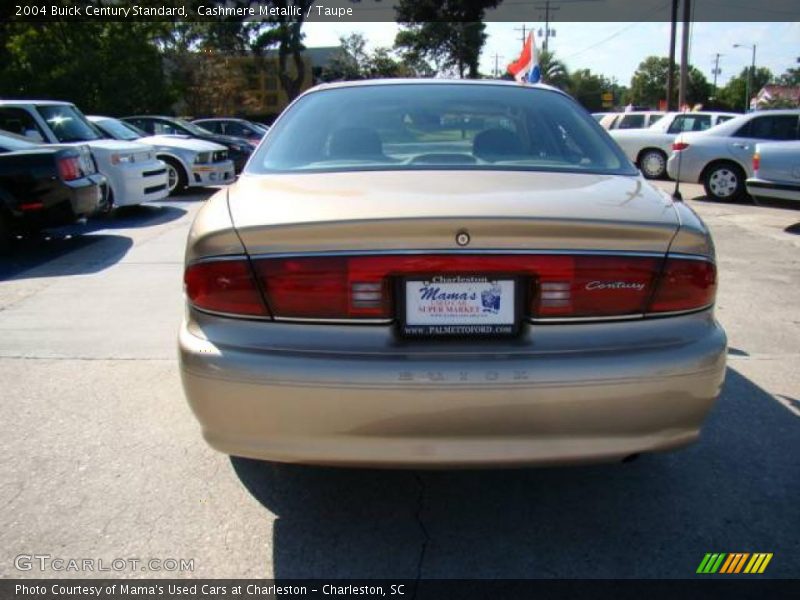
(447, 273)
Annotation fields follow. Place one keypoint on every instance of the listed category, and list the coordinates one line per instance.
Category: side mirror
(33, 135)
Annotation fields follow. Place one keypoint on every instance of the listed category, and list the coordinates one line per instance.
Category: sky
(613, 49)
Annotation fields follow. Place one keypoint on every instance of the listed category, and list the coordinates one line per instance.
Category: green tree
(587, 88)
(104, 67)
(732, 96)
(554, 72)
(352, 62)
(447, 35)
(790, 77)
(649, 83)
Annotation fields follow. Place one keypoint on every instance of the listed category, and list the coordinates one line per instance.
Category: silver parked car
(776, 171)
(721, 157)
(432, 272)
(649, 148)
(190, 162)
(632, 119)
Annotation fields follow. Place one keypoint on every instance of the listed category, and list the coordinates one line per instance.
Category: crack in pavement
(427, 537)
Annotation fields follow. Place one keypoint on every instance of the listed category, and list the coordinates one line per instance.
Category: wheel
(724, 182)
(176, 176)
(653, 163)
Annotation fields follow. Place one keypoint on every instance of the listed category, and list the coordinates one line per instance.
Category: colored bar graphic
(742, 558)
(765, 563)
(703, 563)
(728, 564)
(716, 565)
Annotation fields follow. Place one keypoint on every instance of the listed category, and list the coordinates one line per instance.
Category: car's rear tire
(176, 176)
(724, 181)
(652, 163)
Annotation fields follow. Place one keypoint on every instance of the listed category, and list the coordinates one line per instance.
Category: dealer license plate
(460, 305)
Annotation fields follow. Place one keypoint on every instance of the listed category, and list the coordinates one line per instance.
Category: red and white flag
(526, 67)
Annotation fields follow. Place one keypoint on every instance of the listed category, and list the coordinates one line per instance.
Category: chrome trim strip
(675, 313)
(220, 258)
(630, 317)
(683, 256)
(216, 313)
(493, 251)
(335, 321)
(401, 252)
(554, 320)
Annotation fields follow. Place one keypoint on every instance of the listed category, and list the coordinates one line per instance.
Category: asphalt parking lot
(103, 459)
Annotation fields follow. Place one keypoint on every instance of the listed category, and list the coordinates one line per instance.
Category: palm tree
(554, 72)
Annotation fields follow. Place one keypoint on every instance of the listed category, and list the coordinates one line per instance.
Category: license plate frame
(506, 322)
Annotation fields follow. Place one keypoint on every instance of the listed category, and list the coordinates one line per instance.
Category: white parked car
(190, 162)
(649, 148)
(721, 157)
(776, 171)
(633, 119)
(134, 173)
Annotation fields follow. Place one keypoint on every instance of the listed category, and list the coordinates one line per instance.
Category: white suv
(134, 173)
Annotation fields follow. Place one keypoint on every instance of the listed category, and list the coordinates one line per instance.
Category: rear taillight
(224, 286)
(336, 287)
(756, 161)
(363, 287)
(69, 168)
(685, 284)
(678, 146)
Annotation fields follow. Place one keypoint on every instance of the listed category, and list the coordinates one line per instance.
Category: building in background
(243, 86)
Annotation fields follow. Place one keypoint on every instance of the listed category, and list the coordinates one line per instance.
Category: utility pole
(751, 73)
(547, 10)
(523, 30)
(716, 72)
(684, 54)
(671, 69)
(497, 58)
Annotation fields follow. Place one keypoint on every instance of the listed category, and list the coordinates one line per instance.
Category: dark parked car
(45, 186)
(241, 128)
(239, 149)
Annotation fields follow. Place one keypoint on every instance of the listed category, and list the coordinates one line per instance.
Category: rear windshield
(436, 126)
(68, 124)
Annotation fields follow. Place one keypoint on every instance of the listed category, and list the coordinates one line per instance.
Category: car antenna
(676, 193)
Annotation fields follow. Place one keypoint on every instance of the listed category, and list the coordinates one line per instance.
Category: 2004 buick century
(420, 273)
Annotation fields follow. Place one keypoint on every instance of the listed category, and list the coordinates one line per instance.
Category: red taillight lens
(593, 286)
(69, 168)
(756, 161)
(685, 285)
(224, 286)
(361, 287)
(678, 146)
(358, 287)
(327, 287)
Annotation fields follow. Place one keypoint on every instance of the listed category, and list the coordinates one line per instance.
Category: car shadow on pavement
(140, 215)
(62, 253)
(193, 194)
(735, 490)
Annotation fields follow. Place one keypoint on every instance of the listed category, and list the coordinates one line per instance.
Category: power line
(613, 35)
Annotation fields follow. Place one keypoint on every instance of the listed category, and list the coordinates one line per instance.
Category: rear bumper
(88, 196)
(770, 189)
(63, 202)
(510, 405)
(690, 170)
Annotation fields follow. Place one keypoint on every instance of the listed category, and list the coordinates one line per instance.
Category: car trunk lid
(424, 210)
